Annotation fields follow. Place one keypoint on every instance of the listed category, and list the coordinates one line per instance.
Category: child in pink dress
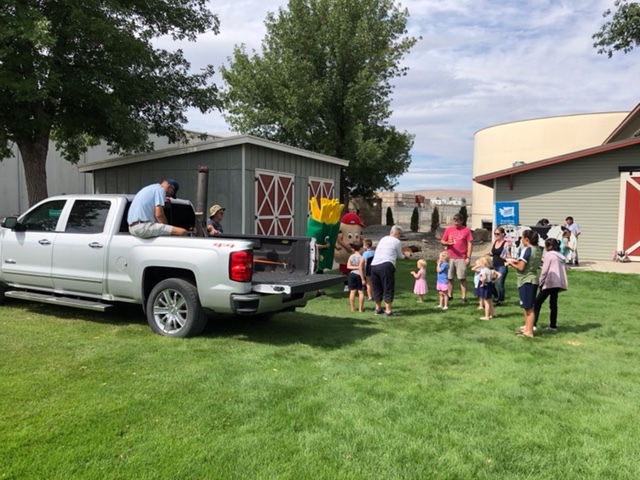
(420, 285)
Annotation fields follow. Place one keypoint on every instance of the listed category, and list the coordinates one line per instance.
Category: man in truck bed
(146, 216)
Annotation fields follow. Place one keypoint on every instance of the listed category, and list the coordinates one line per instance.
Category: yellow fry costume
(323, 225)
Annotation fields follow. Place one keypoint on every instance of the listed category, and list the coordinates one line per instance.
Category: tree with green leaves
(621, 31)
(322, 82)
(463, 213)
(390, 220)
(435, 219)
(415, 220)
(81, 72)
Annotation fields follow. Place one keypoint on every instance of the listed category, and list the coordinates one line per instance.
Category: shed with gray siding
(598, 187)
(265, 186)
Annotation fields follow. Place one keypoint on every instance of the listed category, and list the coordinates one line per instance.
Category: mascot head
(352, 229)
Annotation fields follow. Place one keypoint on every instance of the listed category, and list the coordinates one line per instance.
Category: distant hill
(466, 194)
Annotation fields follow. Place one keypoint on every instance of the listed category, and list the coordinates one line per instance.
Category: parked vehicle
(76, 250)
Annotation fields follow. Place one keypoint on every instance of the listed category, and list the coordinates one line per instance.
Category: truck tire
(174, 310)
(2, 295)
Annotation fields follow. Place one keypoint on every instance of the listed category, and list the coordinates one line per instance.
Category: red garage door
(629, 237)
(274, 203)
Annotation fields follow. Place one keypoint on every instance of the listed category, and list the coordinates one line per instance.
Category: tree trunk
(34, 158)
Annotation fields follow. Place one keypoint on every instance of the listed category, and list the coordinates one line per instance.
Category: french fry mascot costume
(351, 229)
(323, 225)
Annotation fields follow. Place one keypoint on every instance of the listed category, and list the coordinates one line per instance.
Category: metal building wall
(587, 189)
(62, 176)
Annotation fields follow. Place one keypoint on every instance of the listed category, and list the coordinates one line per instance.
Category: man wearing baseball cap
(146, 216)
(216, 213)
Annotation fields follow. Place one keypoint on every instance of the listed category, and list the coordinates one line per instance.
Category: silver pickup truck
(75, 250)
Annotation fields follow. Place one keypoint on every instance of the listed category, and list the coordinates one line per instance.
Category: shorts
(459, 267)
(527, 294)
(442, 287)
(150, 230)
(355, 282)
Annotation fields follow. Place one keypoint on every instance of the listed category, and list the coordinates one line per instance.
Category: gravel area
(423, 244)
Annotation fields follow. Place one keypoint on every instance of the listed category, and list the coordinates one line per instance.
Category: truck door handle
(96, 245)
(44, 241)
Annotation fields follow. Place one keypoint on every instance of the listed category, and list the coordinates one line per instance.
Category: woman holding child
(499, 254)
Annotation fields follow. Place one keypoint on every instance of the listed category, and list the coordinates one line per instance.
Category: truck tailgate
(291, 284)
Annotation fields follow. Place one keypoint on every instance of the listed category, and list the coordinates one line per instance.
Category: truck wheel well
(154, 275)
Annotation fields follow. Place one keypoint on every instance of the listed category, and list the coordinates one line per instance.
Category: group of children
(359, 280)
(484, 279)
(442, 280)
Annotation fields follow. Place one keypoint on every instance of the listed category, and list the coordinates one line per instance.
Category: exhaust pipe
(201, 201)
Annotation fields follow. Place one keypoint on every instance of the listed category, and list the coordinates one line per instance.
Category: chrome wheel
(174, 309)
(170, 311)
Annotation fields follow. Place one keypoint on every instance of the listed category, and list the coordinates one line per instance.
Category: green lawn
(324, 393)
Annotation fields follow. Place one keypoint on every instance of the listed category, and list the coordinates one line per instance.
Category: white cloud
(479, 63)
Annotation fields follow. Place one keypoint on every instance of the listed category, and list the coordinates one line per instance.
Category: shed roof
(488, 178)
(209, 145)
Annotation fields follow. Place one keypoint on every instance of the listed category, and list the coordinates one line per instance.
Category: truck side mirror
(12, 224)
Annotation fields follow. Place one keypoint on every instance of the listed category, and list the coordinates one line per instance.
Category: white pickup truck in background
(76, 250)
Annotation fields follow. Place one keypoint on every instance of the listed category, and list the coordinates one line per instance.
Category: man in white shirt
(575, 231)
(383, 270)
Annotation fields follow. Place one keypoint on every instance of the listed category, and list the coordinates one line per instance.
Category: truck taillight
(241, 266)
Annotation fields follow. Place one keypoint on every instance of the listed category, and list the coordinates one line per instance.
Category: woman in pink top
(553, 280)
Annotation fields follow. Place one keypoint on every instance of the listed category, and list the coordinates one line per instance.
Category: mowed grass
(324, 393)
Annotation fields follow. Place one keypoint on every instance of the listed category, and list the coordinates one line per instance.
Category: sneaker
(450, 297)
(377, 311)
(390, 314)
(550, 329)
(445, 308)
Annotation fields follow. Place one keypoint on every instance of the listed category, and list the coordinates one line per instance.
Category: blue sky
(479, 63)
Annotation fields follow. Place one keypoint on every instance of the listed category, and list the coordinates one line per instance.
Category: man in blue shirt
(146, 217)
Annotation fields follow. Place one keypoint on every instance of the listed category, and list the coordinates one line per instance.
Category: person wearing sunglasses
(499, 250)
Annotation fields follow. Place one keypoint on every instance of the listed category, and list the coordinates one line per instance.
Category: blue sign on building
(507, 213)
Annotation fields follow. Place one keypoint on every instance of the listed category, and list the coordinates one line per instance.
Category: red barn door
(629, 236)
(274, 203)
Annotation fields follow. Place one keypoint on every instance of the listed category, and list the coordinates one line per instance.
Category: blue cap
(174, 185)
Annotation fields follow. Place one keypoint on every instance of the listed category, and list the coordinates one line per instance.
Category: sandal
(523, 335)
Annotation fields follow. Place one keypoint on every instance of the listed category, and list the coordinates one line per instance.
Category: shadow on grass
(571, 329)
(118, 314)
(294, 328)
(280, 329)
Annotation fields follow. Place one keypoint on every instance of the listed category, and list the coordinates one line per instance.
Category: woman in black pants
(553, 280)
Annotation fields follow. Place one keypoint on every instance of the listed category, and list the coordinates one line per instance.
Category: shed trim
(510, 172)
(209, 145)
